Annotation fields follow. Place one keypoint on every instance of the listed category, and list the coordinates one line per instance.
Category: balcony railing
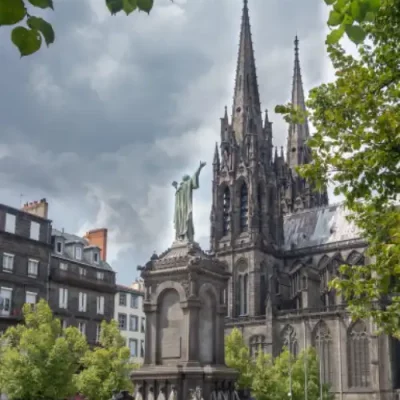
(75, 279)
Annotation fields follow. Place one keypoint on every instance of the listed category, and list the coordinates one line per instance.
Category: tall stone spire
(246, 112)
(298, 152)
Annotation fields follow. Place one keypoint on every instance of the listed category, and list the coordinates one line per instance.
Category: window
(63, 266)
(10, 223)
(122, 299)
(82, 328)
(257, 343)
(134, 301)
(244, 208)
(5, 300)
(142, 348)
(133, 347)
(30, 297)
(133, 323)
(63, 298)
(242, 294)
(35, 230)
(358, 356)
(100, 275)
(63, 323)
(122, 322)
(59, 247)
(226, 226)
(100, 305)
(82, 302)
(82, 271)
(8, 262)
(98, 330)
(323, 344)
(33, 268)
(78, 253)
(143, 326)
(96, 257)
(289, 340)
(260, 201)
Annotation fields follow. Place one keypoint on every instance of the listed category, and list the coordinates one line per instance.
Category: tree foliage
(40, 359)
(271, 379)
(357, 148)
(28, 39)
(106, 367)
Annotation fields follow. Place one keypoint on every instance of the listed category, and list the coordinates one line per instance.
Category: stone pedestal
(185, 307)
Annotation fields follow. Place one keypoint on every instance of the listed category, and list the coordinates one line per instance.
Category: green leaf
(369, 17)
(335, 36)
(115, 6)
(329, 2)
(145, 5)
(355, 33)
(37, 23)
(129, 6)
(374, 5)
(355, 10)
(335, 18)
(11, 11)
(28, 41)
(42, 3)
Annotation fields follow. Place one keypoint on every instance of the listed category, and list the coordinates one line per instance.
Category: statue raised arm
(183, 214)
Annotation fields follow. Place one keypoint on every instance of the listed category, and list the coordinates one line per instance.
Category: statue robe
(183, 216)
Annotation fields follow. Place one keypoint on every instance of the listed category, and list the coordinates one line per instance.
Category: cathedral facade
(283, 243)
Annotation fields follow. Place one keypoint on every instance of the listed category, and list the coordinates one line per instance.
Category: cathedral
(283, 243)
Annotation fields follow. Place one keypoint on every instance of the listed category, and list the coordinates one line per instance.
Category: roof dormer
(92, 254)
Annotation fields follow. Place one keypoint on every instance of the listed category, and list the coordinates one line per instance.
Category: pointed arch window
(226, 222)
(257, 343)
(242, 290)
(260, 198)
(358, 356)
(324, 347)
(244, 208)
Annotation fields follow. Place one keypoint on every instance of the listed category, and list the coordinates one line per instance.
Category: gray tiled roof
(317, 227)
(67, 252)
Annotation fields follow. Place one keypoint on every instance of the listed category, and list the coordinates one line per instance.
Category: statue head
(185, 178)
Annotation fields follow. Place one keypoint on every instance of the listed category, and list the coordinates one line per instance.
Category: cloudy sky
(118, 107)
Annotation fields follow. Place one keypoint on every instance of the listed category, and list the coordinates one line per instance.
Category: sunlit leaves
(351, 16)
(11, 11)
(42, 3)
(28, 41)
(39, 24)
(129, 6)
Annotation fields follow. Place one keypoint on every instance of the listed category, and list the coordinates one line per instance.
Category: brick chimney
(98, 237)
(39, 208)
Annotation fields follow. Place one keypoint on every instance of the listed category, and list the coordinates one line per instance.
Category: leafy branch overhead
(348, 16)
(28, 39)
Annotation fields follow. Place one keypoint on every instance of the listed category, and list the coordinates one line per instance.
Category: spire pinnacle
(246, 100)
(297, 151)
(216, 155)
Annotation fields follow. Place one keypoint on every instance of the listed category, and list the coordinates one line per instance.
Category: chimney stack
(98, 237)
(39, 208)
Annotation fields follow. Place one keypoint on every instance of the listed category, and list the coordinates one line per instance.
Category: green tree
(356, 147)
(106, 367)
(237, 356)
(275, 379)
(40, 359)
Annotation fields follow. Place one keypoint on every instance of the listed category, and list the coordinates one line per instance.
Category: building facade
(283, 243)
(25, 255)
(82, 284)
(131, 319)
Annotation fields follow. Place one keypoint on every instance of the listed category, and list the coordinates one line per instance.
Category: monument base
(184, 382)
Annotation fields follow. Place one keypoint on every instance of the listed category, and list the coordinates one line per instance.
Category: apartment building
(25, 256)
(131, 319)
(82, 283)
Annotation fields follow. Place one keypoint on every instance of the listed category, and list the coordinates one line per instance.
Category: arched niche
(207, 324)
(170, 325)
(169, 285)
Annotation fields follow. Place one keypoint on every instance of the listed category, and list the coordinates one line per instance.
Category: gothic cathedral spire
(298, 152)
(246, 111)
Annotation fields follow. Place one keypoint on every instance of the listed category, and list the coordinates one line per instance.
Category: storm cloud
(118, 107)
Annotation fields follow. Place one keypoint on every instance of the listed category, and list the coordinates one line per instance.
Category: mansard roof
(318, 226)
